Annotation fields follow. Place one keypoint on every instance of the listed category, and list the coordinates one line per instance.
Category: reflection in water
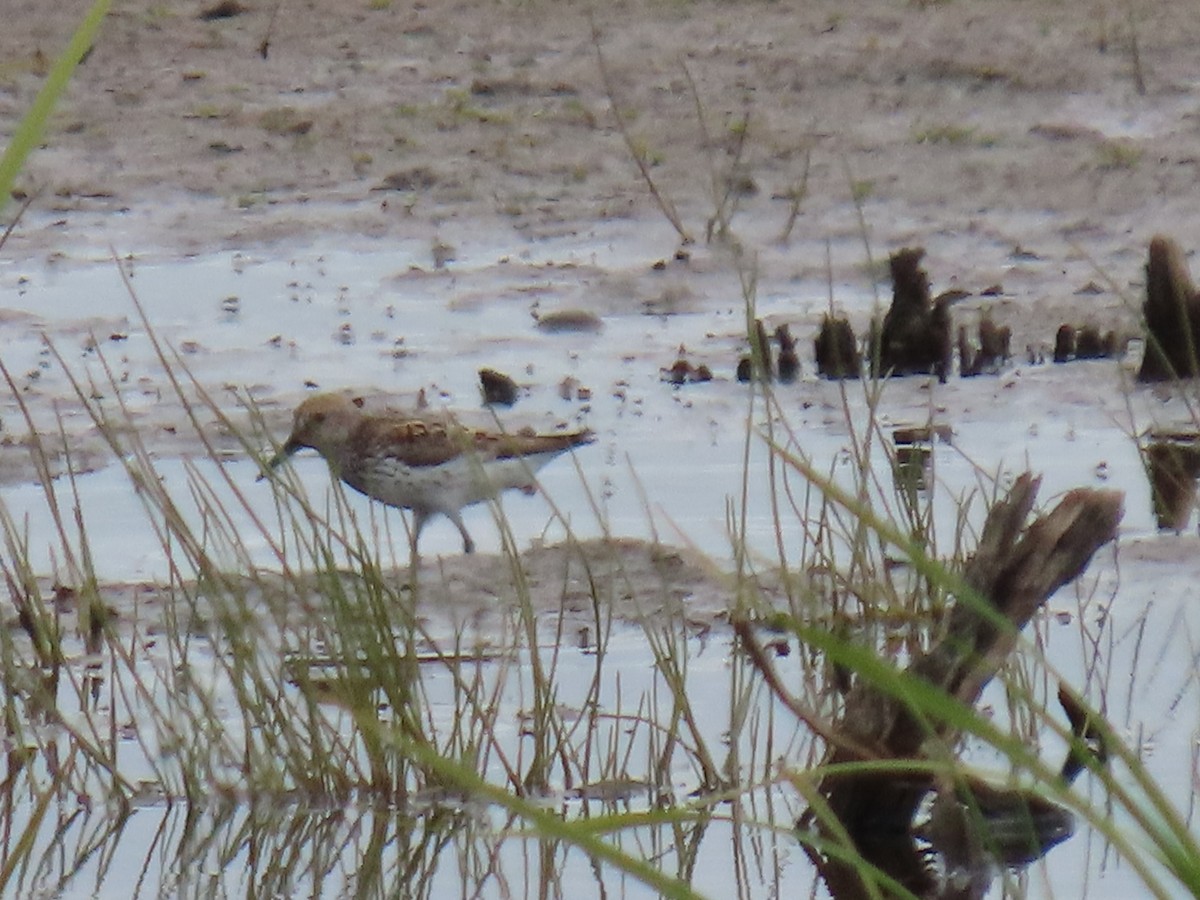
(1173, 465)
(58, 838)
(249, 849)
(290, 847)
(912, 469)
(941, 839)
(948, 837)
(913, 464)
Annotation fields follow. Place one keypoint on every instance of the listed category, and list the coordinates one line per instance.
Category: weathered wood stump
(915, 337)
(994, 344)
(788, 365)
(1085, 342)
(836, 349)
(1172, 312)
(756, 365)
(993, 352)
(1064, 343)
(1014, 570)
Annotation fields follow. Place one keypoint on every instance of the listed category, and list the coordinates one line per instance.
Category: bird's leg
(456, 518)
(420, 517)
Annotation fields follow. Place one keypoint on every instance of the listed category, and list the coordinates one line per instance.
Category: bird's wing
(506, 446)
(420, 442)
(413, 442)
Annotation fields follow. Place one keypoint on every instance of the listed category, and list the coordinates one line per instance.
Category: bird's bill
(289, 447)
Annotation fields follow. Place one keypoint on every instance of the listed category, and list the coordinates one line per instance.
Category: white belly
(447, 487)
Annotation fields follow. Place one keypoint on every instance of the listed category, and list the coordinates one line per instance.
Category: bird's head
(323, 423)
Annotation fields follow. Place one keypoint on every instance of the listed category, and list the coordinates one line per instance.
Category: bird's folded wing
(413, 442)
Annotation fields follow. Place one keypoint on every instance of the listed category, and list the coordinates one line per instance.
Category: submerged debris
(611, 790)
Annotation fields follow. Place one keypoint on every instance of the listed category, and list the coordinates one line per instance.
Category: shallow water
(412, 329)
(230, 847)
(669, 463)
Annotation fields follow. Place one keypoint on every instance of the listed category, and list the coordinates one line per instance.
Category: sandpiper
(424, 463)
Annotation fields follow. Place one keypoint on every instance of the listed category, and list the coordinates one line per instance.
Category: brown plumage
(426, 464)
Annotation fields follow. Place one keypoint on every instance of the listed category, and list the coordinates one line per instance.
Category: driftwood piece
(1014, 570)
(1172, 312)
(915, 337)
